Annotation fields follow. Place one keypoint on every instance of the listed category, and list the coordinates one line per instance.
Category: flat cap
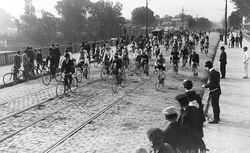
(169, 110)
(188, 84)
(155, 134)
(208, 64)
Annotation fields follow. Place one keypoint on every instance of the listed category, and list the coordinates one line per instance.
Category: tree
(106, 19)
(235, 19)
(199, 23)
(74, 18)
(243, 6)
(139, 16)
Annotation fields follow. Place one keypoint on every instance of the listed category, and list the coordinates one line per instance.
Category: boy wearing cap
(155, 136)
(180, 137)
(223, 62)
(215, 90)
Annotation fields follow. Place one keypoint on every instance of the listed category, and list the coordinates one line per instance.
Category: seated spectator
(140, 150)
(180, 137)
(155, 136)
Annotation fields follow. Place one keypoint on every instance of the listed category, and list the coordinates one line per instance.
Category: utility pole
(226, 23)
(182, 18)
(147, 19)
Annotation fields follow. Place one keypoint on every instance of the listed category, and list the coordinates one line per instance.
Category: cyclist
(68, 69)
(184, 55)
(175, 58)
(107, 57)
(116, 66)
(125, 56)
(194, 59)
(161, 65)
(144, 62)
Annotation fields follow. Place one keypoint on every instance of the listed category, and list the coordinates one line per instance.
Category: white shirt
(245, 58)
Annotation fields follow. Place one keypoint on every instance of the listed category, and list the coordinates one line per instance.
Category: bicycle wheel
(123, 79)
(20, 75)
(87, 72)
(114, 84)
(79, 74)
(74, 85)
(104, 74)
(46, 78)
(8, 78)
(157, 83)
(58, 77)
(60, 89)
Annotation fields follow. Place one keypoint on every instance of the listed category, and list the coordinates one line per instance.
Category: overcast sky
(212, 9)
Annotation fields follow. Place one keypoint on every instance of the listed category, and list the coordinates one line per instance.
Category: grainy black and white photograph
(124, 76)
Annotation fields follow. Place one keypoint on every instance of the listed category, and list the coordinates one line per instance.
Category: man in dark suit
(223, 62)
(180, 137)
(215, 90)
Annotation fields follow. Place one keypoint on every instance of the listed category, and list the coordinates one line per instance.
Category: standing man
(215, 91)
(223, 62)
(246, 62)
(17, 64)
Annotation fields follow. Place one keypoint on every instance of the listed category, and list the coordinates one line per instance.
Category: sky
(211, 9)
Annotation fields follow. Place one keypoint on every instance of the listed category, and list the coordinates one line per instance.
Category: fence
(8, 58)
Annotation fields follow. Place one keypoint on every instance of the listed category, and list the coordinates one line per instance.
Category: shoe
(245, 77)
(222, 77)
(214, 122)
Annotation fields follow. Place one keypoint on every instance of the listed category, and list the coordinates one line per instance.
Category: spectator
(57, 55)
(223, 62)
(39, 58)
(215, 91)
(193, 96)
(246, 62)
(155, 136)
(68, 48)
(241, 39)
(17, 64)
(180, 137)
(140, 150)
(26, 65)
(190, 114)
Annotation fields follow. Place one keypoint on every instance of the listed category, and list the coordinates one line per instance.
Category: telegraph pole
(147, 19)
(226, 23)
(182, 18)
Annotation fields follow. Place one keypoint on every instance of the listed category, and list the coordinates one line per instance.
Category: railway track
(82, 125)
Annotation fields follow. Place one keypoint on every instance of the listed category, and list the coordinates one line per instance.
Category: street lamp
(226, 23)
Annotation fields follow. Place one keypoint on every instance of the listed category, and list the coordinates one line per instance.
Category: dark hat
(182, 99)
(155, 134)
(208, 64)
(66, 55)
(222, 48)
(188, 84)
(245, 48)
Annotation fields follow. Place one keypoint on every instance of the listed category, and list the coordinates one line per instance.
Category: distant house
(175, 23)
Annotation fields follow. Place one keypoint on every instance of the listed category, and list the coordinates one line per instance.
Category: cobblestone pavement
(121, 129)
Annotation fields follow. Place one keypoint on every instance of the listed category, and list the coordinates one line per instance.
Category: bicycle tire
(157, 83)
(74, 85)
(104, 74)
(87, 71)
(58, 77)
(114, 84)
(20, 75)
(8, 78)
(46, 78)
(123, 79)
(60, 89)
(79, 74)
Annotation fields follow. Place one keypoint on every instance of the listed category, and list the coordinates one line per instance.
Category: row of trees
(79, 20)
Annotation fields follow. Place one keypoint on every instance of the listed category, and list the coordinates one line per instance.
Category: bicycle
(97, 60)
(127, 63)
(82, 70)
(118, 78)
(47, 76)
(9, 77)
(160, 78)
(195, 70)
(138, 70)
(175, 67)
(105, 72)
(61, 87)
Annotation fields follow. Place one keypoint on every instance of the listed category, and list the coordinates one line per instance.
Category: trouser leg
(223, 70)
(246, 70)
(215, 105)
